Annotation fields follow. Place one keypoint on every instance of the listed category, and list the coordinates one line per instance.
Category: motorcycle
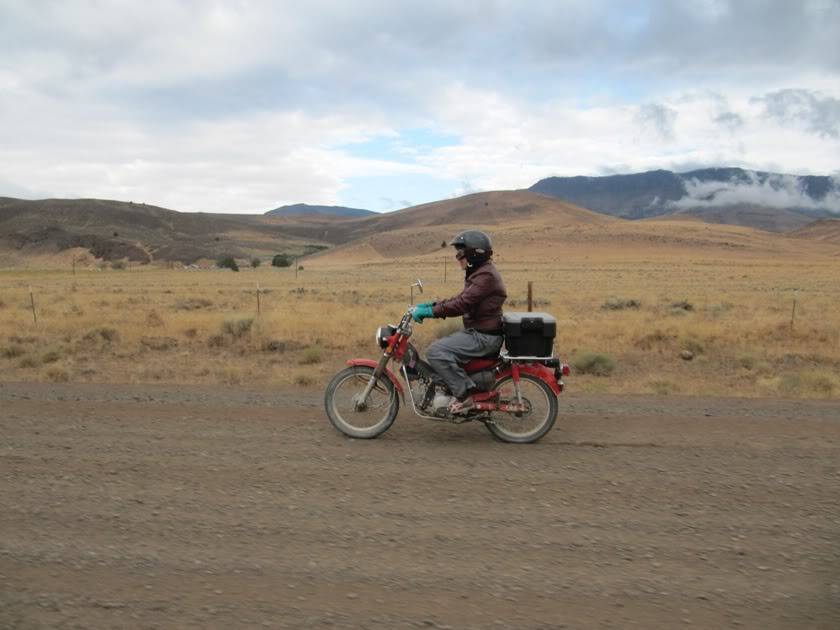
(517, 398)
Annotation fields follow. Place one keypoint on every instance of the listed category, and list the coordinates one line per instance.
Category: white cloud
(780, 191)
(243, 105)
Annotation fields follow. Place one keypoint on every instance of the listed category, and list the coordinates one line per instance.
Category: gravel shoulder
(187, 506)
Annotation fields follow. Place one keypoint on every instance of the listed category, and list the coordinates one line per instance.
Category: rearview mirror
(419, 285)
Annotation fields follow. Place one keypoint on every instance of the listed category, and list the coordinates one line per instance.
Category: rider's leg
(448, 354)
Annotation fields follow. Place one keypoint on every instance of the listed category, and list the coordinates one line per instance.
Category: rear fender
(542, 372)
(373, 364)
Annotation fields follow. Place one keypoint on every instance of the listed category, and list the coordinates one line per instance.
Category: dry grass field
(665, 307)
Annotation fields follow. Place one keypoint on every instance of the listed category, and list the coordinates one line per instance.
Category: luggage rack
(547, 361)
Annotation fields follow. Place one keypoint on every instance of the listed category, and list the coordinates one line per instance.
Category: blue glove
(421, 312)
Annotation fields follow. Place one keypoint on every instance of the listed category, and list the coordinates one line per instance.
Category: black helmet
(475, 244)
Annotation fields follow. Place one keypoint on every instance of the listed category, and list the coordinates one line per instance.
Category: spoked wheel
(531, 424)
(368, 420)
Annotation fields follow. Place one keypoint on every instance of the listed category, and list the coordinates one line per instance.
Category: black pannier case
(529, 334)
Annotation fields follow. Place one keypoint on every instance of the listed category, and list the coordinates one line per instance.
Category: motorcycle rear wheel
(379, 412)
(540, 415)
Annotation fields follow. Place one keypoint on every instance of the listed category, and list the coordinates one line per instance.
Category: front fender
(542, 372)
(373, 364)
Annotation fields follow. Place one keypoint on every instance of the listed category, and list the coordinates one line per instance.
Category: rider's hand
(421, 312)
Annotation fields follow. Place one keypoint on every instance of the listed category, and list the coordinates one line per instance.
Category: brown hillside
(550, 237)
(759, 217)
(422, 229)
(827, 230)
(113, 230)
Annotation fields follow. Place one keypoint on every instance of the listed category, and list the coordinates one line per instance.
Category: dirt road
(162, 507)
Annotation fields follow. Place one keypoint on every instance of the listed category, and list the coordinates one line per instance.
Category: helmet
(475, 244)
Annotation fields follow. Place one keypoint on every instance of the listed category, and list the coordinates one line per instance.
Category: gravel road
(169, 506)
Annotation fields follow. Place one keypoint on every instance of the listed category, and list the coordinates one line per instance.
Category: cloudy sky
(245, 105)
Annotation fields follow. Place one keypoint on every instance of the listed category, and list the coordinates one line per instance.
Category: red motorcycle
(517, 401)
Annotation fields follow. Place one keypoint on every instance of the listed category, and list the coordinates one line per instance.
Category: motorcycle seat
(484, 363)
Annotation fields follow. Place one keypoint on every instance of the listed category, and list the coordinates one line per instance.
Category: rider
(480, 304)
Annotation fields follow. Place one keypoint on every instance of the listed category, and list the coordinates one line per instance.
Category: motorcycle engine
(484, 380)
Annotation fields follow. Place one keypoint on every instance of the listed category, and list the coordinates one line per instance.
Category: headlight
(383, 333)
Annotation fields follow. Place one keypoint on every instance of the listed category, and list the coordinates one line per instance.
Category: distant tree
(282, 260)
(255, 262)
(227, 262)
(116, 234)
(443, 243)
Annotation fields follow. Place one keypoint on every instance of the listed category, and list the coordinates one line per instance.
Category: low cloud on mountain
(777, 191)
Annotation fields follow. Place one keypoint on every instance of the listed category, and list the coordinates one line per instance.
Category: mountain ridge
(307, 209)
(803, 198)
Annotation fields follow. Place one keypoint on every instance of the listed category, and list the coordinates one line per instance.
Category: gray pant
(448, 354)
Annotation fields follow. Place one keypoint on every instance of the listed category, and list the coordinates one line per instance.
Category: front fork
(360, 401)
(514, 372)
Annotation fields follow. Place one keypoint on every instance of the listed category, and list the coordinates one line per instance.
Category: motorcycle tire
(383, 403)
(531, 425)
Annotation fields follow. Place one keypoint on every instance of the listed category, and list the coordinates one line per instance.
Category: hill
(523, 224)
(770, 201)
(541, 230)
(423, 229)
(303, 209)
(827, 230)
(114, 230)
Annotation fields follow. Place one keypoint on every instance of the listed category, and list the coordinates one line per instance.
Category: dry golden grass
(725, 295)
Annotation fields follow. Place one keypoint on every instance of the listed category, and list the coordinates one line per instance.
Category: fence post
(32, 302)
(444, 270)
(793, 311)
(530, 296)
(258, 299)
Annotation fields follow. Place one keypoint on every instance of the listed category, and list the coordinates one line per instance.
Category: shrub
(619, 304)
(217, 341)
(282, 260)
(255, 262)
(692, 345)
(229, 376)
(51, 355)
(29, 362)
(227, 262)
(311, 355)
(154, 320)
(12, 352)
(118, 265)
(160, 344)
(595, 364)
(304, 379)
(662, 388)
(105, 334)
(192, 304)
(237, 327)
(654, 339)
(57, 375)
(274, 345)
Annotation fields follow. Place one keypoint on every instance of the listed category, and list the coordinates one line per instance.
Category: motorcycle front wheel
(531, 424)
(364, 421)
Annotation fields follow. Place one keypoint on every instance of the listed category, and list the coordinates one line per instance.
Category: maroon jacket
(480, 302)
